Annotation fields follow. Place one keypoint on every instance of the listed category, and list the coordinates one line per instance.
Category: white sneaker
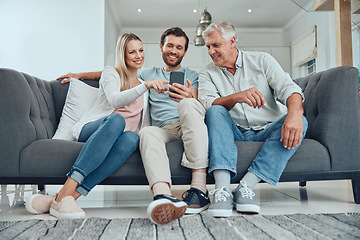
(39, 203)
(66, 209)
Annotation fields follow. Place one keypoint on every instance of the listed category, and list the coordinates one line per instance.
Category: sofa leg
(41, 187)
(302, 183)
(303, 194)
(355, 180)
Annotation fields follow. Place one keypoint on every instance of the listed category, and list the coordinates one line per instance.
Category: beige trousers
(191, 129)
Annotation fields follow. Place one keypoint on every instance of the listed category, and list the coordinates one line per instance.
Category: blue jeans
(106, 148)
(271, 160)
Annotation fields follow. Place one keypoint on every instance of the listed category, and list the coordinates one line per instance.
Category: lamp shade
(200, 29)
(204, 22)
(205, 17)
(199, 41)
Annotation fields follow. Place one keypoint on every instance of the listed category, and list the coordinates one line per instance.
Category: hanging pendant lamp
(204, 22)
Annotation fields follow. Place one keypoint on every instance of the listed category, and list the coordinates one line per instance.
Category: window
(311, 67)
(304, 48)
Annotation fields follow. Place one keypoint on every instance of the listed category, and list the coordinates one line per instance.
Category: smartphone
(176, 77)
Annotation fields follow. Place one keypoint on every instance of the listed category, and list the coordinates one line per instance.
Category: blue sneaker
(165, 209)
(196, 200)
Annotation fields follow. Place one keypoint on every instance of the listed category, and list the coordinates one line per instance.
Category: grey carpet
(201, 226)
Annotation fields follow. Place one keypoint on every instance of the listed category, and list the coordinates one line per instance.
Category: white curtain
(304, 47)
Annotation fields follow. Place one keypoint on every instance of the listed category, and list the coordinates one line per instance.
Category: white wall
(112, 32)
(268, 40)
(50, 38)
(326, 42)
(196, 57)
(261, 37)
(326, 39)
(356, 46)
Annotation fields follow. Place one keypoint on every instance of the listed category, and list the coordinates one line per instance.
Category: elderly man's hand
(253, 97)
(292, 131)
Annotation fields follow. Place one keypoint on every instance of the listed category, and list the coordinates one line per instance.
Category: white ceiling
(168, 13)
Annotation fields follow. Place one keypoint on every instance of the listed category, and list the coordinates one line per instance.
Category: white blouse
(110, 97)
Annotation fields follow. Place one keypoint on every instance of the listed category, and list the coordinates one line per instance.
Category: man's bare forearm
(84, 75)
(90, 75)
(294, 105)
(251, 96)
(228, 102)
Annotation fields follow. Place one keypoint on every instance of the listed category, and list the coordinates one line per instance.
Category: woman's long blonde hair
(120, 64)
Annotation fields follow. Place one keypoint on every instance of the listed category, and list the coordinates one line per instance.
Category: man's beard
(164, 56)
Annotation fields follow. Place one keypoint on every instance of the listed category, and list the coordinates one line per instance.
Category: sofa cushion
(311, 156)
(54, 158)
(79, 99)
(48, 158)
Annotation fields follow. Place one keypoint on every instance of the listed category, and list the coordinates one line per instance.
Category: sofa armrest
(27, 114)
(332, 109)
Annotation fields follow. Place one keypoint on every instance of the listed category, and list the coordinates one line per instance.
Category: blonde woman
(109, 130)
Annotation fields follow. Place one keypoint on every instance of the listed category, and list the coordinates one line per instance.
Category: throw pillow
(80, 98)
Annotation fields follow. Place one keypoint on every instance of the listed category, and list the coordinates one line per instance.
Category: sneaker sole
(28, 205)
(247, 208)
(60, 215)
(220, 212)
(164, 211)
(196, 210)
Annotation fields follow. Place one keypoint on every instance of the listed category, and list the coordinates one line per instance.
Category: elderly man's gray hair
(227, 30)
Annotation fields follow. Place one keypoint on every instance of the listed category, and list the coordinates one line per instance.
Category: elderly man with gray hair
(240, 91)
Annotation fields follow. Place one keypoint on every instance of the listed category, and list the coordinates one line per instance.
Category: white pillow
(80, 98)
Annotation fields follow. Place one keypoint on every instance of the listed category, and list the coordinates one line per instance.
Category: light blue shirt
(162, 109)
(253, 69)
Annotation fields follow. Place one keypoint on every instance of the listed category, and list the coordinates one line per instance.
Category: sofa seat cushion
(54, 158)
(133, 167)
(48, 158)
(311, 156)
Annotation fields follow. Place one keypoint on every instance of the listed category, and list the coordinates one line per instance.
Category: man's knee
(215, 112)
(150, 135)
(146, 131)
(186, 104)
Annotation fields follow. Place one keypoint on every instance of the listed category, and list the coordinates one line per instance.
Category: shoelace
(245, 191)
(220, 194)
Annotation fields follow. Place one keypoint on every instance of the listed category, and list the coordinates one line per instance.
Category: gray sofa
(30, 109)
